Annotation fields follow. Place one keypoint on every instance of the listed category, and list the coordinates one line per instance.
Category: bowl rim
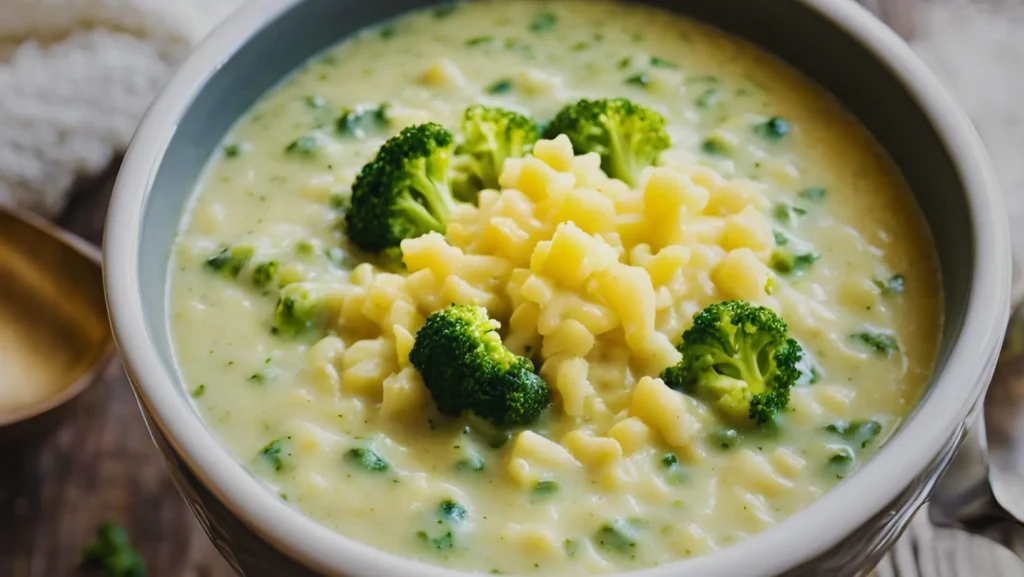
(106, 352)
(797, 539)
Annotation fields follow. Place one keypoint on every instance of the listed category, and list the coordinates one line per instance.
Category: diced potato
(665, 411)
(592, 451)
(404, 395)
(632, 434)
(555, 153)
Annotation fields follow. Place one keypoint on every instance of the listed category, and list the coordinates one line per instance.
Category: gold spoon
(54, 332)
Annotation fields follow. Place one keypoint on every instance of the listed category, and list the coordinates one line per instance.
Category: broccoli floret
(628, 137)
(305, 305)
(404, 192)
(490, 135)
(466, 368)
(113, 553)
(737, 356)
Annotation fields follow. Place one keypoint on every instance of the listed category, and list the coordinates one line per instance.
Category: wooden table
(101, 465)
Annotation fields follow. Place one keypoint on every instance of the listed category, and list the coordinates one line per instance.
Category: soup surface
(770, 193)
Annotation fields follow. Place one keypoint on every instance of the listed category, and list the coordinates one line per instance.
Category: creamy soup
(770, 193)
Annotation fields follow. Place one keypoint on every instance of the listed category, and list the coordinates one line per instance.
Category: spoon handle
(964, 498)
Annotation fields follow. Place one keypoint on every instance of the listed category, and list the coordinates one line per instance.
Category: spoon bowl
(54, 333)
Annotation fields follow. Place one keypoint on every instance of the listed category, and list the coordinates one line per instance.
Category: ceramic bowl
(835, 42)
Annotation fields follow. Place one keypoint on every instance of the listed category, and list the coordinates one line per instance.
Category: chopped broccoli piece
(773, 129)
(726, 438)
(893, 285)
(882, 343)
(628, 137)
(360, 121)
(738, 356)
(813, 193)
(198, 391)
(662, 63)
(545, 489)
(788, 214)
(272, 453)
(571, 547)
(618, 535)
(472, 462)
(230, 261)
(641, 79)
(675, 472)
(451, 511)
(445, 11)
(466, 368)
(491, 135)
(500, 86)
(857, 432)
(305, 145)
(543, 22)
(315, 101)
(708, 98)
(235, 150)
(264, 272)
(113, 554)
(478, 40)
(791, 257)
(305, 305)
(842, 462)
(440, 543)
(714, 146)
(367, 459)
(404, 192)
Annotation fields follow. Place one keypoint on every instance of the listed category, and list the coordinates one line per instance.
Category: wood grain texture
(102, 465)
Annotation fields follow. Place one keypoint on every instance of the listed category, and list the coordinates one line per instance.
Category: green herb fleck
(857, 432)
(387, 32)
(478, 40)
(841, 462)
(773, 129)
(780, 237)
(112, 553)
(813, 193)
(580, 46)
(882, 343)
(272, 454)
(662, 63)
(571, 547)
(543, 22)
(198, 391)
(502, 86)
(338, 258)
(893, 285)
(367, 459)
(234, 150)
(641, 79)
(445, 541)
(617, 536)
(316, 101)
(305, 145)
(545, 489)
(452, 512)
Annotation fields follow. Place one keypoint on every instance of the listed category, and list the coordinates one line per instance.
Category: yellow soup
(769, 193)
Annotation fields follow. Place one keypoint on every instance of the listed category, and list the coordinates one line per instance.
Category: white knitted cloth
(76, 77)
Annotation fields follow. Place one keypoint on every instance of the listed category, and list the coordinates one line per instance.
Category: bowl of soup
(556, 288)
